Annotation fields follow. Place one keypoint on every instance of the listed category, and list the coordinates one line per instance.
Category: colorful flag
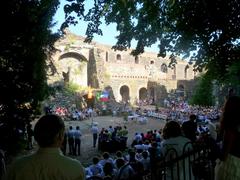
(104, 96)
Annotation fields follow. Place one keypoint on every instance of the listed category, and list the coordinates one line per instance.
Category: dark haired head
(95, 160)
(119, 153)
(192, 117)
(145, 154)
(106, 155)
(171, 129)
(120, 162)
(108, 168)
(47, 129)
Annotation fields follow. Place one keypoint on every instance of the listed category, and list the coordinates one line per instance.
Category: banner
(104, 97)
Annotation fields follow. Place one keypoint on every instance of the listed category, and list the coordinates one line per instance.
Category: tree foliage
(25, 43)
(178, 26)
(202, 94)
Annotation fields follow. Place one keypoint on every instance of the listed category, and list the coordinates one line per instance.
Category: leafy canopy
(178, 26)
(202, 94)
(25, 42)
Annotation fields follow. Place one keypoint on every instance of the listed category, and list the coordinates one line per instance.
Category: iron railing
(192, 164)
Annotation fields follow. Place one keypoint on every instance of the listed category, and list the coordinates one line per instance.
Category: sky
(109, 32)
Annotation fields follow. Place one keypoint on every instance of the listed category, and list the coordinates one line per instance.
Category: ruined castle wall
(100, 66)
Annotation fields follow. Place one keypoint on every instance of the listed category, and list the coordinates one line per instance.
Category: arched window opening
(119, 57)
(180, 90)
(136, 60)
(174, 72)
(106, 57)
(164, 68)
(124, 91)
(194, 73)
(186, 71)
(143, 94)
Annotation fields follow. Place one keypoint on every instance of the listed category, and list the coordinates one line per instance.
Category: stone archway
(73, 67)
(124, 92)
(180, 90)
(143, 94)
(151, 95)
(181, 87)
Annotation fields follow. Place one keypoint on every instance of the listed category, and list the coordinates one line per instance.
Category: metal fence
(192, 164)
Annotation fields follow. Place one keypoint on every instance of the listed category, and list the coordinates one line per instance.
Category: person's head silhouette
(49, 131)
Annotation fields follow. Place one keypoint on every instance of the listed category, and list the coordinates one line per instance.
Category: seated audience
(108, 171)
(125, 171)
(95, 168)
(106, 158)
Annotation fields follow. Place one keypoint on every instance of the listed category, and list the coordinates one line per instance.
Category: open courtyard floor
(87, 150)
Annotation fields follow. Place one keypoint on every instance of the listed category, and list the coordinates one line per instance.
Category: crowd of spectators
(72, 113)
(181, 114)
(185, 124)
(112, 139)
(148, 148)
(120, 165)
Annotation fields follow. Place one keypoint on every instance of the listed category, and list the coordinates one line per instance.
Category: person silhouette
(229, 163)
(47, 162)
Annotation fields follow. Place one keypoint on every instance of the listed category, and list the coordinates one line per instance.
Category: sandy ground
(87, 151)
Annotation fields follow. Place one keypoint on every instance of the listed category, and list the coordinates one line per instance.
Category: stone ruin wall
(99, 66)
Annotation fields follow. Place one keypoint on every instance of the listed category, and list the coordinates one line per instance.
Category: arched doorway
(180, 91)
(186, 72)
(151, 95)
(143, 94)
(124, 91)
(73, 67)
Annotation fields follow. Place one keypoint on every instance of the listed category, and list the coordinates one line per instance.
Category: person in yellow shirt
(48, 162)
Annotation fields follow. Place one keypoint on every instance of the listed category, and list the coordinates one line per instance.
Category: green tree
(26, 41)
(233, 75)
(203, 92)
(178, 26)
